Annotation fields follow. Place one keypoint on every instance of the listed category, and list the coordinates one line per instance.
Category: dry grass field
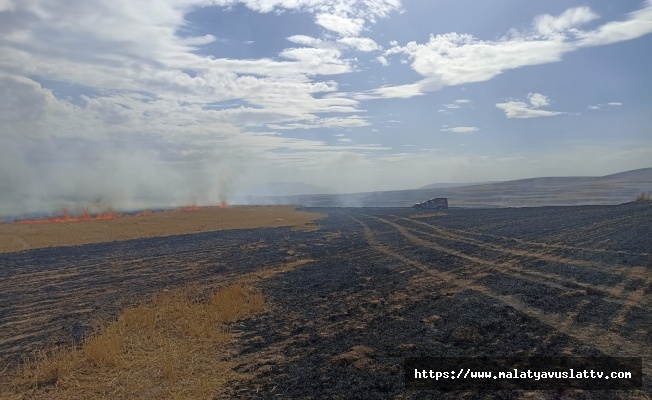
(178, 344)
(17, 237)
(172, 347)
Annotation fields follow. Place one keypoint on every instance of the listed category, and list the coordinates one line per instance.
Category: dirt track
(383, 285)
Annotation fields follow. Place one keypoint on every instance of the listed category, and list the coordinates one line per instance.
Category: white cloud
(402, 91)
(343, 25)
(354, 121)
(305, 40)
(461, 129)
(519, 109)
(333, 47)
(549, 26)
(451, 106)
(455, 59)
(600, 106)
(136, 49)
(360, 43)
(538, 100)
(388, 92)
(462, 101)
(638, 24)
(382, 60)
(344, 140)
(346, 17)
(24, 100)
(361, 8)
(313, 55)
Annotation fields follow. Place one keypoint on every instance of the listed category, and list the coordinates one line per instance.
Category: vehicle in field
(440, 203)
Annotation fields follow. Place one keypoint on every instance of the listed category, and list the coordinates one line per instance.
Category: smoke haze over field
(138, 104)
(98, 176)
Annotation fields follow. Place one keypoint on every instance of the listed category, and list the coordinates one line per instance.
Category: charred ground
(383, 284)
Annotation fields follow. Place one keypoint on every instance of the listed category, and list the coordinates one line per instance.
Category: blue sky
(138, 103)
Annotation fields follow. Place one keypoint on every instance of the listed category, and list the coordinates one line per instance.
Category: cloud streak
(454, 59)
(461, 129)
(520, 109)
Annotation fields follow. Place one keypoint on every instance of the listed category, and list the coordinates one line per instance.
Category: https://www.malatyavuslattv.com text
(516, 374)
(536, 373)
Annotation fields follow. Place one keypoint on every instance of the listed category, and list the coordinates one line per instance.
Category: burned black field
(372, 287)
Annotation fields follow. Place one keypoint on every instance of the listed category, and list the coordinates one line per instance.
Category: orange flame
(110, 214)
(186, 208)
(67, 217)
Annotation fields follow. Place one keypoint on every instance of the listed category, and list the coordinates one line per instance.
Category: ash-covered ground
(388, 284)
(383, 284)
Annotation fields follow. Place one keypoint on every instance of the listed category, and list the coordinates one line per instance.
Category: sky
(131, 103)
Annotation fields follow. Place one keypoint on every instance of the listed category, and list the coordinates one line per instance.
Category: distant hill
(450, 185)
(547, 191)
(635, 174)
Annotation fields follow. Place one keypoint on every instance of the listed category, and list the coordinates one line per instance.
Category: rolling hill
(545, 191)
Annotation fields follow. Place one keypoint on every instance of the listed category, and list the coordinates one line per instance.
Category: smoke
(49, 175)
(57, 154)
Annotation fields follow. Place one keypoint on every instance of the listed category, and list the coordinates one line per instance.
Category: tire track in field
(545, 246)
(632, 274)
(452, 235)
(637, 295)
(635, 298)
(511, 268)
(605, 227)
(608, 342)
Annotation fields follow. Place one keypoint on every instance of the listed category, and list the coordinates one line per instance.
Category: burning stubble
(83, 176)
(31, 234)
